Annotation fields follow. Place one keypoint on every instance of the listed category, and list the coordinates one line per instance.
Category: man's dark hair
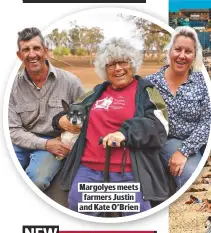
(28, 34)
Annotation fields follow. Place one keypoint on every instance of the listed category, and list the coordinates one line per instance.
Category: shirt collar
(191, 77)
(51, 70)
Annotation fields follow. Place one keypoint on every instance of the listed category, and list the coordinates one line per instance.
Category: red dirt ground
(82, 69)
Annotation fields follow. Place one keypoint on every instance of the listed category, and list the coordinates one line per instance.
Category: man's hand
(177, 163)
(113, 139)
(56, 147)
(65, 124)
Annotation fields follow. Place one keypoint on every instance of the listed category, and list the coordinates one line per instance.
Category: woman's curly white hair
(116, 49)
(190, 33)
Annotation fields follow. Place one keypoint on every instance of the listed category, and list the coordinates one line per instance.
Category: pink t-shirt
(106, 116)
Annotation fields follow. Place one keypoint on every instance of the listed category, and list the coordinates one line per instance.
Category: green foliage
(80, 40)
(154, 36)
(58, 38)
(84, 37)
(61, 51)
(80, 52)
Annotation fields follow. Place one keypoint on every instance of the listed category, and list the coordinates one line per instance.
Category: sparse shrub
(61, 51)
(80, 52)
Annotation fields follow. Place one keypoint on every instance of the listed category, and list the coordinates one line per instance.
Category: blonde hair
(190, 33)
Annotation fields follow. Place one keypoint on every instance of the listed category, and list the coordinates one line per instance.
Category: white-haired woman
(123, 108)
(184, 90)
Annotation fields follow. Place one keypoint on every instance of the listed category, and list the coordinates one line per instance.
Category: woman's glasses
(112, 66)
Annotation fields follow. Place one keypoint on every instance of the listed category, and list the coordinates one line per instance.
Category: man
(35, 98)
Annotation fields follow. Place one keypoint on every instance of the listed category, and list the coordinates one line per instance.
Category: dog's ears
(65, 105)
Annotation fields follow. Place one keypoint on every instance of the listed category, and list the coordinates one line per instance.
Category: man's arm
(23, 138)
(19, 135)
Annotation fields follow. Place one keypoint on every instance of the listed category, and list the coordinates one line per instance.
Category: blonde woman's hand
(177, 163)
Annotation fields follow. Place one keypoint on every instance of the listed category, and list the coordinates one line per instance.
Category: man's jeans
(87, 175)
(41, 166)
(168, 150)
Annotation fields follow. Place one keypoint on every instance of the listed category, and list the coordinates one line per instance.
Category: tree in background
(80, 40)
(58, 38)
(154, 37)
(92, 39)
(85, 38)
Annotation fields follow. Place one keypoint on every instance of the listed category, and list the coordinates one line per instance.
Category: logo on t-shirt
(104, 103)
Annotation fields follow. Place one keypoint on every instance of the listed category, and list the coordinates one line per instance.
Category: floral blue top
(189, 110)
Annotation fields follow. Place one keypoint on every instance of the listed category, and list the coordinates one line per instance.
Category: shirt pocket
(54, 107)
(27, 112)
